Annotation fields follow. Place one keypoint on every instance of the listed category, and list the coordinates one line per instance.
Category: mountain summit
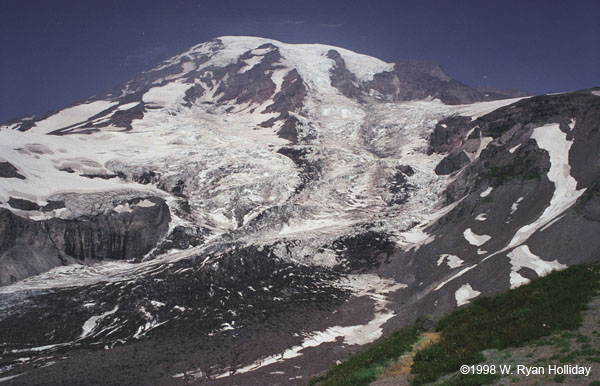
(248, 202)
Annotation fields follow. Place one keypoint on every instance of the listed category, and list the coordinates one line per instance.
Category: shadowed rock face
(511, 126)
(22, 204)
(415, 79)
(341, 78)
(30, 247)
(452, 163)
(7, 170)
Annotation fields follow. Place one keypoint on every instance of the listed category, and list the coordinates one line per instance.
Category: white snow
(145, 204)
(309, 59)
(169, 95)
(71, 116)
(91, 323)
(474, 239)
(572, 123)
(515, 205)
(250, 63)
(521, 257)
(452, 260)
(9, 377)
(481, 217)
(486, 192)
(480, 109)
(464, 294)
(596, 92)
(553, 140)
(128, 106)
(514, 148)
(123, 208)
(483, 143)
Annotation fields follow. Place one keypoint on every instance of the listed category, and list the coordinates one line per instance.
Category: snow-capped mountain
(248, 206)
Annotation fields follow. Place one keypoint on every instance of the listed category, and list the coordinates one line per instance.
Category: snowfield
(302, 173)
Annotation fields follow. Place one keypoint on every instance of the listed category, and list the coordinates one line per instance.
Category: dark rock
(452, 163)
(30, 247)
(291, 96)
(192, 94)
(182, 238)
(399, 187)
(20, 203)
(51, 205)
(124, 118)
(7, 170)
(341, 78)
(254, 85)
(310, 169)
(449, 134)
(115, 235)
(416, 79)
(363, 252)
(406, 169)
(102, 176)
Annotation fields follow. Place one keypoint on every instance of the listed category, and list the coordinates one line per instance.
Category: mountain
(248, 206)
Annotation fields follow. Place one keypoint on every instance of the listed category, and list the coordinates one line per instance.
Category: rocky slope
(249, 204)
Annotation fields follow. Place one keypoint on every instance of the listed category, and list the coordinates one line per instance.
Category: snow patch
(128, 106)
(168, 95)
(553, 140)
(481, 217)
(515, 205)
(480, 109)
(123, 208)
(486, 192)
(91, 323)
(514, 148)
(452, 261)
(464, 294)
(475, 239)
(521, 257)
(145, 204)
(72, 116)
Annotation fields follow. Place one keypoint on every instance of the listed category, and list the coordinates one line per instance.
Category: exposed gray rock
(449, 134)
(452, 163)
(20, 203)
(30, 247)
(416, 79)
(341, 78)
(7, 170)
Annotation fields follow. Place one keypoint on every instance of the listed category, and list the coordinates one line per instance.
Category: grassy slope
(540, 308)
(364, 367)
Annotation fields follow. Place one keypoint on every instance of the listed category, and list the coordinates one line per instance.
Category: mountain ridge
(301, 205)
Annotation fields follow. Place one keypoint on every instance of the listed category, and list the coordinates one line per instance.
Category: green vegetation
(363, 368)
(559, 378)
(469, 380)
(522, 315)
(506, 173)
(528, 314)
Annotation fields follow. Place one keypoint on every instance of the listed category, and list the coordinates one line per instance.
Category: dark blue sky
(57, 52)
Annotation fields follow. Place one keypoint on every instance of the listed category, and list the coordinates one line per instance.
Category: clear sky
(57, 52)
